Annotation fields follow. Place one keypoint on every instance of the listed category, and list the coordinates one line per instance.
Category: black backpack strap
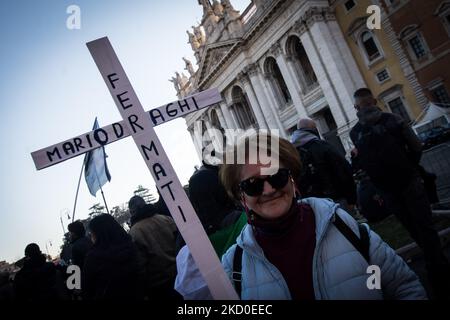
(361, 244)
(237, 270)
(365, 242)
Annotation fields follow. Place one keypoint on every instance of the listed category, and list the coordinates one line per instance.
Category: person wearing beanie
(154, 236)
(326, 173)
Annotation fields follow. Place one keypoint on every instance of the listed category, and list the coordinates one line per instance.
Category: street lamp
(64, 211)
(46, 247)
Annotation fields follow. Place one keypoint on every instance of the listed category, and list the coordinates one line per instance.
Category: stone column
(336, 70)
(212, 134)
(294, 90)
(254, 104)
(268, 107)
(196, 143)
(223, 122)
(227, 115)
(291, 67)
(331, 59)
(235, 116)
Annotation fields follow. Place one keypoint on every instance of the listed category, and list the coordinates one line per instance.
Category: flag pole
(62, 224)
(103, 195)
(101, 190)
(76, 195)
(46, 248)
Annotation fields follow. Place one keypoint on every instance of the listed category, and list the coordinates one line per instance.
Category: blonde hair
(230, 174)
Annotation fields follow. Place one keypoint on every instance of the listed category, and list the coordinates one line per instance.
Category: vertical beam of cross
(161, 169)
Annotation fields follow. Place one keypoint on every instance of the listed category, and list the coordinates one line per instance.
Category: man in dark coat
(209, 198)
(389, 152)
(6, 287)
(38, 280)
(79, 242)
(325, 172)
(111, 270)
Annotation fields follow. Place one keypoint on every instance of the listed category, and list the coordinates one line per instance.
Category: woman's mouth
(264, 201)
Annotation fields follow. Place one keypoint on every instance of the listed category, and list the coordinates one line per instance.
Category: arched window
(302, 65)
(371, 49)
(443, 11)
(215, 123)
(241, 108)
(276, 78)
(219, 137)
(204, 127)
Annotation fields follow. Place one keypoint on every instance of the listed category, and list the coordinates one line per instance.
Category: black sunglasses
(254, 186)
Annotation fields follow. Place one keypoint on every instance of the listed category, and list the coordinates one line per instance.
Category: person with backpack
(388, 151)
(326, 173)
(370, 202)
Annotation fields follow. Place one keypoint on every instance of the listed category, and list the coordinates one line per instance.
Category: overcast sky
(51, 90)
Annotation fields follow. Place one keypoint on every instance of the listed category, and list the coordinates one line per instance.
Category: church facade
(274, 63)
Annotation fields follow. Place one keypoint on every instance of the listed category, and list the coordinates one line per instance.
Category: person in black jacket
(389, 152)
(111, 269)
(38, 280)
(326, 173)
(80, 244)
(6, 288)
(209, 198)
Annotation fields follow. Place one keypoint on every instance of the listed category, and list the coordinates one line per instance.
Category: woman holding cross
(301, 249)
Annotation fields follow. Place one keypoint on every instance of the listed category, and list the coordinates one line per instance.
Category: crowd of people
(295, 233)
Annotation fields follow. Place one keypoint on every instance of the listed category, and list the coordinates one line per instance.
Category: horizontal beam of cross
(88, 141)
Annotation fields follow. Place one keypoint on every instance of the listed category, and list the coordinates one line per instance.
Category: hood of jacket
(35, 262)
(145, 212)
(369, 115)
(303, 136)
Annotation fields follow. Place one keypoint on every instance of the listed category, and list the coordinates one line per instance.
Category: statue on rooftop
(189, 66)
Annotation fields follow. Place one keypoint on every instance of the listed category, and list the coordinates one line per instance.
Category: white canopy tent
(433, 116)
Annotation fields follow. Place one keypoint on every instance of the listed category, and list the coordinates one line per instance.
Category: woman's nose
(268, 189)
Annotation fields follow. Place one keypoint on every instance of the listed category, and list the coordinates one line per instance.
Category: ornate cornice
(252, 69)
(313, 15)
(328, 14)
(243, 77)
(269, 12)
(300, 27)
(275, 50)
